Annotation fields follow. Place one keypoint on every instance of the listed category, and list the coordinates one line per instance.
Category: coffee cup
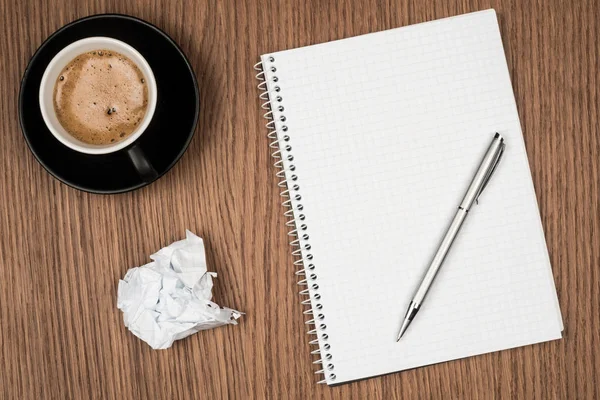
(46, 102)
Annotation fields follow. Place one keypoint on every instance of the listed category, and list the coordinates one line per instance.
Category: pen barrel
(440, 255)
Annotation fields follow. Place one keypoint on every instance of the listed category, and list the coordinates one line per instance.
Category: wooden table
(62, 251)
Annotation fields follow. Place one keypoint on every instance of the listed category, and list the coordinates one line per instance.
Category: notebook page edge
(475, 354)
(382, 33)
(524, 148)
(314, 302)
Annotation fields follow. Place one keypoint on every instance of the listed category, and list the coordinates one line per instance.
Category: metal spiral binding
(280, 142)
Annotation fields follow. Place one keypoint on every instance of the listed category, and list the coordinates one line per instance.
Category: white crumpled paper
(170, 298)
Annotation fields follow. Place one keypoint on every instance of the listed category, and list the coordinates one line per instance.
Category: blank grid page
(386, 131)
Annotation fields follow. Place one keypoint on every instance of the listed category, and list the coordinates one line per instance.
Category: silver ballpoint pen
(479, 182)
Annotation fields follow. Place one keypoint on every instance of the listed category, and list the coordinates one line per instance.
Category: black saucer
(164, 141)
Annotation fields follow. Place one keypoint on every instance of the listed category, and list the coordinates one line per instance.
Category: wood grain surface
(62, 251)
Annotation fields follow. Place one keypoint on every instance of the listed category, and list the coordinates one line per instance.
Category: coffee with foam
(100, 97)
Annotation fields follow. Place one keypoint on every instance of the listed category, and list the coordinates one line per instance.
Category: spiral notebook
(376, 138)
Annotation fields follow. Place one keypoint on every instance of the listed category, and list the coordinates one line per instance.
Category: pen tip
(405, 324)
(400, 336)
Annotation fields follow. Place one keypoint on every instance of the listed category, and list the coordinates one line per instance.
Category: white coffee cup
(60, 61)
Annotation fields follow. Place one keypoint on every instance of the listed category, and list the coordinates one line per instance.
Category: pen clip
(491, 172)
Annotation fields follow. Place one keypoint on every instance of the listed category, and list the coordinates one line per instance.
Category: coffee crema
(100, 97)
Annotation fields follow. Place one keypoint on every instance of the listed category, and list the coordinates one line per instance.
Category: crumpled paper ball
(170, 298)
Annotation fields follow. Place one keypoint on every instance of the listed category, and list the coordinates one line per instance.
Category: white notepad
(379, 136)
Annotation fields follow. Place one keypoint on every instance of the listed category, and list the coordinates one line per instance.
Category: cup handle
(142, 164)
